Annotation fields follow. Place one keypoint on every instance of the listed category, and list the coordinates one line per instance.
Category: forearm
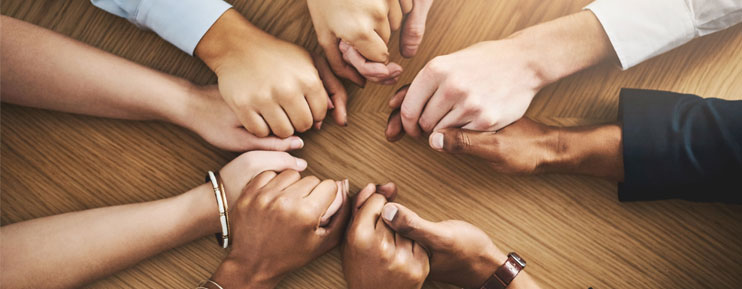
(566, 45)
(71, 249)
(44, 69)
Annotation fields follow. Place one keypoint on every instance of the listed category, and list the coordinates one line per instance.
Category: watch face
(517, 259)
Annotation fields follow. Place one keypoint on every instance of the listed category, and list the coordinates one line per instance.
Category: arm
(42, 69)
(666, 145)
(180, 22)
(71, 249)
(661, 25)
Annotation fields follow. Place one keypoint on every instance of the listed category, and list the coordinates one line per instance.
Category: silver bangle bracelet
(221, 202)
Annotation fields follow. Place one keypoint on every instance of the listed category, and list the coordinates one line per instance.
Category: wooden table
(571, 229)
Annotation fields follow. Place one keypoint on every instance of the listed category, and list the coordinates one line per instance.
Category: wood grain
(571, 229)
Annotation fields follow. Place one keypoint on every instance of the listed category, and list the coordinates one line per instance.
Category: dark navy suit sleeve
(680, 146)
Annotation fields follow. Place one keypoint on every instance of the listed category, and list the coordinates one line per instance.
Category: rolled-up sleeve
(680, 146)
(642, 29)
(181, 22)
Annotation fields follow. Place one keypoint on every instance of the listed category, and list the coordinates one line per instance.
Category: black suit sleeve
(680, 146)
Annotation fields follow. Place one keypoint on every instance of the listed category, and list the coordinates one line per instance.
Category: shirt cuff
(642, 29)
(181, 22)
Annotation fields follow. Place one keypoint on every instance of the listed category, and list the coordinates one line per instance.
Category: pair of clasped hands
(281, 221)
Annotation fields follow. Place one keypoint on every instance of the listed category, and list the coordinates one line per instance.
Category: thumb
(407, 223)
(456, 140)
(414, 28)
(250, 141)
(371, 46)
(274, 161)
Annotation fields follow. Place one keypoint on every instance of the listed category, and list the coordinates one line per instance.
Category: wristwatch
(506, 273)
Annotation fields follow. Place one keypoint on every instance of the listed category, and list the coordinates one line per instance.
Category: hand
(484, 87)
(364, 24)
(416, 12)
(206, 114)
(373, 255)
(277, 228)
(524, 147)
(270, 84)
(460, 253)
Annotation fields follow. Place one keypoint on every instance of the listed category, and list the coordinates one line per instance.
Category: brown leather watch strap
(504, 275)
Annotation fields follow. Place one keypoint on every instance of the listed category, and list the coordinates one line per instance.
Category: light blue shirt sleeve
(181, 22)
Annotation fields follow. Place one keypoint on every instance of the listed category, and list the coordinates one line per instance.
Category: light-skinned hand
(483, 87)
(271, 85)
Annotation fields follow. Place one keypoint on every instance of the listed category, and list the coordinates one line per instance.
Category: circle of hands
(384, 244)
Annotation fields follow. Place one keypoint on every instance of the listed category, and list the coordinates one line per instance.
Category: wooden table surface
(571, 229)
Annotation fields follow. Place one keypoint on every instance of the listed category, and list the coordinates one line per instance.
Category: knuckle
(414, 32)
(435, 66)
(461, 141)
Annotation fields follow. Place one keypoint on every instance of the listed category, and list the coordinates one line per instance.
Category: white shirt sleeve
(181, 22)
(642, 29)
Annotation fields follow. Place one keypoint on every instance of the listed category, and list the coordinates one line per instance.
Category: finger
(421, 89)
(371, 46)
(316, 97)
(280, 124)
(386, 234)
(303, 187)
(255, 124)
(322, 196)
(456, 140)
(245, 141)
(406, 6)
(335, 230)
(414, 28)
(407, 223)
(389, 190)
(280, 183)
(398, 97)
(336, 90)
(368, 214)
(395, 15)
(436, 108)
(299, 114)
(454, 119)
(342, 191)
(403, 244)
(340, 67)
(256, 184)
(394, 130)
(384, 30)
(372, 70)
(362, 197)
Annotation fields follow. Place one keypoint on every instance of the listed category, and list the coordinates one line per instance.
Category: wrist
(590, 150)
(230, 33)
(495, 258)
(563, 46)
(232, 273)
(200, 203)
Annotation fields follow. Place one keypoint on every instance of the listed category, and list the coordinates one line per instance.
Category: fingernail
(297, 144)
(301, 164)
(346, 186)
(389, 212)
(436, 140)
